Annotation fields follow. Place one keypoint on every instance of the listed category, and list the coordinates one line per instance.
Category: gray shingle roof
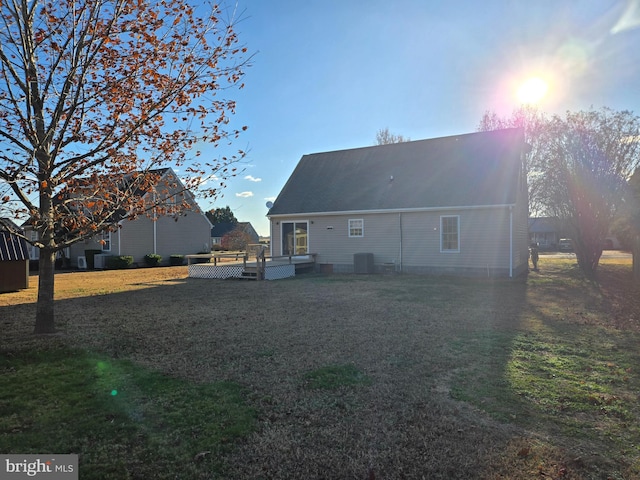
(11, 246)
(474, 169)
(221, 229)
(544, 225)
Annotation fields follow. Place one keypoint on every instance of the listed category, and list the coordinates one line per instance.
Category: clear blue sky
(327, 75)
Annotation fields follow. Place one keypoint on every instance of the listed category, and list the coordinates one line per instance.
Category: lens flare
(532, 90)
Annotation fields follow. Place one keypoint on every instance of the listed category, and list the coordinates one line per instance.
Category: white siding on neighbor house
(184, 234)
(136, 238)
(190, 234)
(78, 249)
(410, 240)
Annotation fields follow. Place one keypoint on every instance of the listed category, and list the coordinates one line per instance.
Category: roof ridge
(409, 142)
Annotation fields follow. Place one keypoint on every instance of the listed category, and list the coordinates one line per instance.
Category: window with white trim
(106, 241)
(450, 233)
(34, 251)
(356, 227)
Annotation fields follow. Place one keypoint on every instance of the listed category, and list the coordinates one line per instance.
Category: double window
(450, 233)
(356, 227)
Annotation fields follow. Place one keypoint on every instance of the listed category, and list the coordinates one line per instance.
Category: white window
(106, 241)
(450, 233)
(171, 202)
(34, 252)
(356, 227)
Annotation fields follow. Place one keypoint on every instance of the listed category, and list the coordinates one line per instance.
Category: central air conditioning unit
(363, 263)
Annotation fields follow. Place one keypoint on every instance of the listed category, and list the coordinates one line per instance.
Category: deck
(224, 266)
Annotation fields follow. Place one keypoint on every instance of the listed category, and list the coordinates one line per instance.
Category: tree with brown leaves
(95, 98)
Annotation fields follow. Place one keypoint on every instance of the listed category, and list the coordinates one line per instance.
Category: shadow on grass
(124, 421)
(569, 376)
(517, 350)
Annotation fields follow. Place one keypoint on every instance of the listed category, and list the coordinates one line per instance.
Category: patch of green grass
(485, 354)
(124, 421)
(579, 381)
(266, 353)
(334, 376)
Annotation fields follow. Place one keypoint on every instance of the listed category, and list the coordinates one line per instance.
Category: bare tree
(384, 137)
(94, 98)
(577, 170)
(591, 156)
(534, 123)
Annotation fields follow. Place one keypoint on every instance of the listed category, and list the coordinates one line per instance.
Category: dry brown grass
(400, 331)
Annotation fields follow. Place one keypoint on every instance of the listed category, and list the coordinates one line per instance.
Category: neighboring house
(545, 231)
(185, 233)
(453, 205)
(14, 258)
(219, 230)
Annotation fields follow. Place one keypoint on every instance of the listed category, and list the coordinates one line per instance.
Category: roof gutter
(390, 210)
(510, 242)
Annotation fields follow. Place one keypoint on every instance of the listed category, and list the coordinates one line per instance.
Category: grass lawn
(155, 375)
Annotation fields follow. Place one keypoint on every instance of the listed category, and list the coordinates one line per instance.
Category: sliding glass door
(295, 239)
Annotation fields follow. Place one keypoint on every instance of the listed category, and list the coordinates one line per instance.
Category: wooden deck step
(250, 273)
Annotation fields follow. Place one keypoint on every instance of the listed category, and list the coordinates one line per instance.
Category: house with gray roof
(451, 205)
(187, 232)
(219, 230)
(545, 231)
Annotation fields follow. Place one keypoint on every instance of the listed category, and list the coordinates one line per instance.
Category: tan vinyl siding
(410, 240)
(189, 234)
(484, 239)
(381, 237)
(136, 237)
(184, 234)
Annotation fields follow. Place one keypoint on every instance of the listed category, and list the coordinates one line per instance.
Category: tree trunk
(44, 311)
(588, 255)
(45, 322)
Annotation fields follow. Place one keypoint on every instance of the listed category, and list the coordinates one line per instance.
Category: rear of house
(454, 205)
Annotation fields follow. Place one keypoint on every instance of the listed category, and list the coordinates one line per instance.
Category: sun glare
(533, 90)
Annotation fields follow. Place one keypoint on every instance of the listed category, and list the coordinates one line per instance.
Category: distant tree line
(221, 215)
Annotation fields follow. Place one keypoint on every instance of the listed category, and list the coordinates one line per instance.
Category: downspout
(511, 242)
(119, 242)
(155, 221)
(270, 237)
(400, 225)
